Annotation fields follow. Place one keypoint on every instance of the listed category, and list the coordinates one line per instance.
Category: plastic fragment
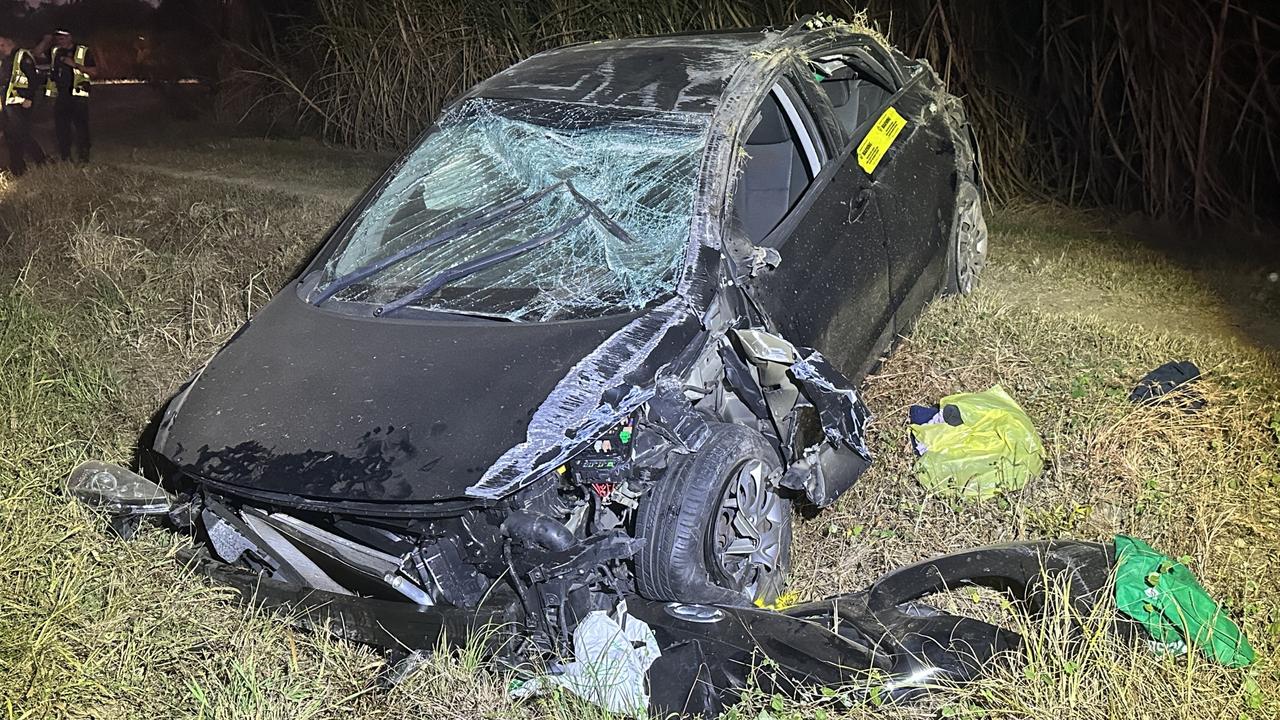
(612, 659)
(1165, 598)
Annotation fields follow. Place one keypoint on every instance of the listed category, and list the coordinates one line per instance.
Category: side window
(783, 159)
(856, 97)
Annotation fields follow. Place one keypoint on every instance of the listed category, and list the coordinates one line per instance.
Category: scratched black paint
(325, 405)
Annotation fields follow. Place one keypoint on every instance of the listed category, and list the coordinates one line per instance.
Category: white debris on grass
(610, 665)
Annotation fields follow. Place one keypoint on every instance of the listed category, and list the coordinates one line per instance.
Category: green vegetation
(113, 292)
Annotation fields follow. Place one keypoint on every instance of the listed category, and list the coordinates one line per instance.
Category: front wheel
(967, 251)
(715, 528)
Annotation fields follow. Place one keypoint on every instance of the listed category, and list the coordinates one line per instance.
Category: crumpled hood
(327, 406)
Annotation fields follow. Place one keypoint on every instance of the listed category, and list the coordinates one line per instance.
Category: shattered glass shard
(634, 173)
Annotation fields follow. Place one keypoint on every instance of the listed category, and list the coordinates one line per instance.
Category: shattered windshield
(528, 210)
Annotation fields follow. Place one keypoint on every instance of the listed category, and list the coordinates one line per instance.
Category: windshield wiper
(614, 228)
(451, 231)
(471, 267)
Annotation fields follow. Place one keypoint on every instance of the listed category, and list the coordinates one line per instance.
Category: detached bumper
(881, 636)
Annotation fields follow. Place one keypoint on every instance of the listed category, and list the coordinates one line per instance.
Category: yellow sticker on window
(881, 135)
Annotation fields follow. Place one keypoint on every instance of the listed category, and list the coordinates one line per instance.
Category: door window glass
(782, 161)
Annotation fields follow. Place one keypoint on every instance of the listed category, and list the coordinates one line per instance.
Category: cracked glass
(529, 210)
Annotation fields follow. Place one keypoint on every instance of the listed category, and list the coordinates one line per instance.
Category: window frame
(803, 121)
(870, 69)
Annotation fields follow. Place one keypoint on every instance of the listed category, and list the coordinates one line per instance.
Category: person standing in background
(71, 68)
(18, 73)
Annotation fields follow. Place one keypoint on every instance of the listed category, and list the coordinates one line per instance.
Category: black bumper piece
(880, 638)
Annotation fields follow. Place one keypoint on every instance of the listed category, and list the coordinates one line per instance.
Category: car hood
(313, 403)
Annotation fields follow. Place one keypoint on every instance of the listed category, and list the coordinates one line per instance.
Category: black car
(596, 333)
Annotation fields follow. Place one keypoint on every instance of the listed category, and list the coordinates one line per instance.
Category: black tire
(967, 247)
(681, 558)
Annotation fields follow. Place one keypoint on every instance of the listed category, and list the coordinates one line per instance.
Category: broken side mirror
(749, 260)
(124, 495)
(762, 259)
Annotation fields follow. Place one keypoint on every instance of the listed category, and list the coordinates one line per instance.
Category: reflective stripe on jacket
(79, 78)
(18, 80)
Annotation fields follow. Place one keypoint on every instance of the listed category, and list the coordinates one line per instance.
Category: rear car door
(799, 191)
(905, 149)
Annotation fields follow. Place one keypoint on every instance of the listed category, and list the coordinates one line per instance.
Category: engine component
(541, 531)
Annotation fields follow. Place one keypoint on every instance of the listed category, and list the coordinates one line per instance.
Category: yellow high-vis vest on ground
(18, 80)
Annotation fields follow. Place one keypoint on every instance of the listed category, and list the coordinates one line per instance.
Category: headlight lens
(119, 491)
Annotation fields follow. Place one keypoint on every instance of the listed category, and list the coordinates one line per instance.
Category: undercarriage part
(441, 563)
(408, 589)
(671, 415)
(311, 573)
(810, 405)
(543, 531)
(372, 621)
(291, 550)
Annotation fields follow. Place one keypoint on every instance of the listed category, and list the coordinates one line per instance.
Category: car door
(915, 186)
(799, 191)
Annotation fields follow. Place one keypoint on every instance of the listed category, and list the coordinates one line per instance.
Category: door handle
(858, 207)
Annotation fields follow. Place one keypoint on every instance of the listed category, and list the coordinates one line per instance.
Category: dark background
(1167, 107)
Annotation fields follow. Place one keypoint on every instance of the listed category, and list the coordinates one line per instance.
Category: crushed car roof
(669, 73)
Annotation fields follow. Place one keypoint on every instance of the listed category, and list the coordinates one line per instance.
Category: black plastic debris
(709, 653)
(883, 638)
(1165, 380)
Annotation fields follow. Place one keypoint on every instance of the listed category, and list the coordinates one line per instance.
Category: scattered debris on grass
(112, 629)
(978, 446)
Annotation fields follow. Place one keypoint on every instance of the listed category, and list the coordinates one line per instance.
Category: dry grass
(110, 297)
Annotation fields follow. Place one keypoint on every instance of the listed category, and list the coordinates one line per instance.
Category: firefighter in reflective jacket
(70, 70)
(18, 73)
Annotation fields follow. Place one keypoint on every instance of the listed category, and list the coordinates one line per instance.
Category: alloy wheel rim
(971, 244)
(749, 528)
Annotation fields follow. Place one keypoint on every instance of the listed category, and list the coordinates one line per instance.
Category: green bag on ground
(994, 451)
(1162, 594)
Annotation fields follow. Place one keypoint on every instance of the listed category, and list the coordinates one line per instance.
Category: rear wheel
(967, 251)
(715, 528)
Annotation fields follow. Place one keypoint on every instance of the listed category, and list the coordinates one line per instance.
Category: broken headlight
(118, 491)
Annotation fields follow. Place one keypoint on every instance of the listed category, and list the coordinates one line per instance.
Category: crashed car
(594, 336)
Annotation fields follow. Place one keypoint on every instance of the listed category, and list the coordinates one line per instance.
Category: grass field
(114, 289)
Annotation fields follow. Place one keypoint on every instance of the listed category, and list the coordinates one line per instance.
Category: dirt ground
(120, 278)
